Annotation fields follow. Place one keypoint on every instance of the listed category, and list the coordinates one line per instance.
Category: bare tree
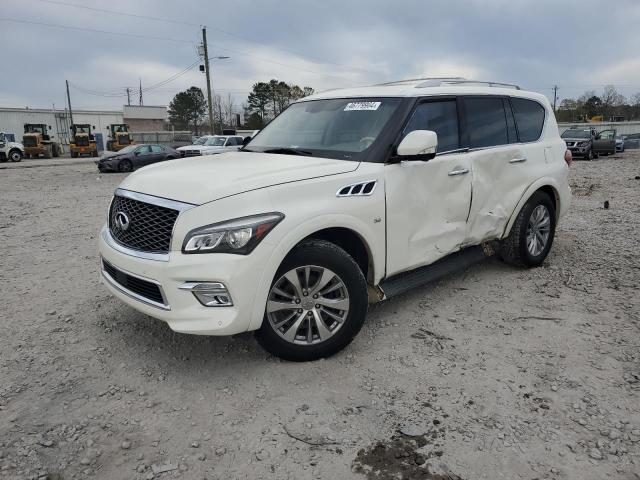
(611, 99)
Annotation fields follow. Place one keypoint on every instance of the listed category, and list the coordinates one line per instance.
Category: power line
(181, 22)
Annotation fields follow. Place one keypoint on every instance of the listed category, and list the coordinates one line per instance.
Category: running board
(454, 262)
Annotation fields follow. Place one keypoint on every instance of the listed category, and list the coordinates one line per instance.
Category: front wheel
(15, 155)
(125, 166)
(590, 156)
(317, 303)
(532, 233)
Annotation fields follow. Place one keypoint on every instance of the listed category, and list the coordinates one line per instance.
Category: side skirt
(454, 262)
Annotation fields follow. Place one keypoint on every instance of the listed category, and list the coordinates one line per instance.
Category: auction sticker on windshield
(362, 106)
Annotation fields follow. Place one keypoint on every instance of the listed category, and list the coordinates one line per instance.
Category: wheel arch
(546, 185)
(349, 233)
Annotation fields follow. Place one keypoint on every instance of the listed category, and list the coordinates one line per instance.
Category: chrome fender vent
(360, 189)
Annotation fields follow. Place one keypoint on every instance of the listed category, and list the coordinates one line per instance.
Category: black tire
(125, 166)
(74, 154)
(326, 255)
(15, 155)
(48, 151)
(55, 150)
(94, 153)
(513, 249)
(590, 156)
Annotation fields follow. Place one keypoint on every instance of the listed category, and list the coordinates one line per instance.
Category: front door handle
(458, 171)
(518, 160)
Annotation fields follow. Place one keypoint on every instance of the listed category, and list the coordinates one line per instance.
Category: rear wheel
(532, 233)
(125, 165)
(316, 305)
(48, 151)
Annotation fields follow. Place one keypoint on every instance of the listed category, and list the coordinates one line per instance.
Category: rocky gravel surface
(492, 373)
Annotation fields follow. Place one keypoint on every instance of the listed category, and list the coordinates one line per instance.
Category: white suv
(212, 144)
(348, 197)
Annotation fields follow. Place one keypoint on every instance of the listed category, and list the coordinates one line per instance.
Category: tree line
(188, 109)
(610, 105)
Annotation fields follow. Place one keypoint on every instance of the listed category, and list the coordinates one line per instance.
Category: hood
(15, 145)
(200, 180)
(109, 154)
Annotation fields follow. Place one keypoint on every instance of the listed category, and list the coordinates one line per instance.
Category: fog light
(209, 294)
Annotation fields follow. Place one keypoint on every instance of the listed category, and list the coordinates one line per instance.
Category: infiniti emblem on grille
(122, 221)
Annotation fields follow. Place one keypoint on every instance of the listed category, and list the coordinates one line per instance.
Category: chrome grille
(192, 153)
(149, 226)
(82, 141)
(123, 139)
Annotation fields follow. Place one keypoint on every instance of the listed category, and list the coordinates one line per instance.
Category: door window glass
(156, 149)
(486, 122)
(440, 117)
(144, 149)
(529, 118)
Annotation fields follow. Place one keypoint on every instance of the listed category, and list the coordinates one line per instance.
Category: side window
(440, 117)
(511, 123)
(144, 149)
(486, 122)
(231, 141)
(157, 149)
(529, 118)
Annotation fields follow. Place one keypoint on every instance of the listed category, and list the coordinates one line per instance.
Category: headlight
(239, 236)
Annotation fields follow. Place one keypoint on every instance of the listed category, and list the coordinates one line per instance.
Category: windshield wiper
(288, 151)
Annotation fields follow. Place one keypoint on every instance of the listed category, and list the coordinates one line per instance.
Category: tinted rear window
(486, 122)
(529, 118)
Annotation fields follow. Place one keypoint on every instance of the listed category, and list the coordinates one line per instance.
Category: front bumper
(181, 310)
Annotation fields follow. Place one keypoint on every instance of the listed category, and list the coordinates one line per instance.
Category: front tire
(15, 155)
(125, 166)
(532, 233)
(316, 305)
(590, 156)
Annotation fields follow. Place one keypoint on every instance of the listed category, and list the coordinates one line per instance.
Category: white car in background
(212, 144)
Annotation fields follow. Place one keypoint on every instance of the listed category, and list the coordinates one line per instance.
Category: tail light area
(568, 157)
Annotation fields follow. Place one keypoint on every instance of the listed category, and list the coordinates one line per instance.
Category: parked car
(348, 196)
(135, 156)
(632, 141)
(589, 144)
(619, 144)
(212, 144)
(13, 151)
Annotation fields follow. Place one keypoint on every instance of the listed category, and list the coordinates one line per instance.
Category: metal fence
(163, 138)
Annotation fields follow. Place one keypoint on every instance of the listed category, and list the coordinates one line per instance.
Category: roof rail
(423, 79)
(462, 81)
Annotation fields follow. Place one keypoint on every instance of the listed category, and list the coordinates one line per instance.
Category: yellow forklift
(37, 141)
(119, 137)
(82, 141)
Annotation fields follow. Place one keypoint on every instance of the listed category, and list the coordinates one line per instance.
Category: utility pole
(206, 69)
(140, 100)
(69, 102)
(555, 97)
(128, 97)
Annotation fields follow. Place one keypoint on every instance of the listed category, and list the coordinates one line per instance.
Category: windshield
(215, 142)
(576, 134)
(128, 148)
(334, 128)
(200, 141)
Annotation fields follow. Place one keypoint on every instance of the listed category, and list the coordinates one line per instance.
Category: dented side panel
(429, 209)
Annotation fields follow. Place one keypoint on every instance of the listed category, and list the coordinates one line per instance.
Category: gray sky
(577, 44)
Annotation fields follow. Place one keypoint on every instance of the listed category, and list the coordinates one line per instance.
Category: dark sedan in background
(135, 156)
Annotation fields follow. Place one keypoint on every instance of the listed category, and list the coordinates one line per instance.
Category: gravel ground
(492, 373)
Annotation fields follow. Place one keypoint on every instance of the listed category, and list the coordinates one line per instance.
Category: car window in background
(144, 149)
(128, 149)
(215, 142)
(486, 122)
(529, 118)
(440, 117)
(200, 141)
(576, 134)
(157, 149)
(607, 134)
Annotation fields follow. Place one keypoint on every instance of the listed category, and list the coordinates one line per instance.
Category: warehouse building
(139, 119)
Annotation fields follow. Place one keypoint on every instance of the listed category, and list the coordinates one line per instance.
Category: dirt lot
(492, 373)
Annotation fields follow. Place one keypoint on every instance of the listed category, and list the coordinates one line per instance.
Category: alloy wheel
(538, 230)
(308, 305)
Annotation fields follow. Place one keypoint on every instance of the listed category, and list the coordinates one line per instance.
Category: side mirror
(245, 141)
(49, 127)
(93, 126)
(418, 145)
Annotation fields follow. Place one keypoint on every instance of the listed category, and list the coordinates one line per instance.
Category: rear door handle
(518, 160)
(458, 171)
